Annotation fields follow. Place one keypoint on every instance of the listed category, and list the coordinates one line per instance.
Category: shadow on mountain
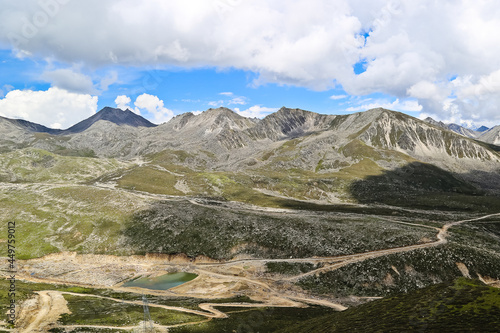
(426, 186)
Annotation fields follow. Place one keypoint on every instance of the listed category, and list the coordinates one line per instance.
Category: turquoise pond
(162, 282)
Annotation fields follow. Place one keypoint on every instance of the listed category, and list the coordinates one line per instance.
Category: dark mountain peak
(116, 116)
(482, 129)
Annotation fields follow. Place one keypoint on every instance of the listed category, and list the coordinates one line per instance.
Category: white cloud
(309, 43)
(110, 78)
(5, 89)
(216, 104)
(235, 100)
(69, 80)
(122, 102)
(428, 90)
(255, 111)
(337, 97)
(54, 107)
(154, 107)
(240, 100)
(397, 105)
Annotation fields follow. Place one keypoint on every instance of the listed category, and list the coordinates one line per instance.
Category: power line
(148, 323)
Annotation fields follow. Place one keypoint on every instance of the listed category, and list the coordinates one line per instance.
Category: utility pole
(148, 323)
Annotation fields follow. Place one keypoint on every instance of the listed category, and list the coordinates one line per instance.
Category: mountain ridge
(116, 116)
(467, 132)
(220, 139)
(286, 118)
(31, 126)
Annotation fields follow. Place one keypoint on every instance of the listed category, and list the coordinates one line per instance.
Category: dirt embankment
(40, 313)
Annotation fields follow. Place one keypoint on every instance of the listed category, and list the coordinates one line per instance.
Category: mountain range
(483, 133)
(350, 146)
(297, 205)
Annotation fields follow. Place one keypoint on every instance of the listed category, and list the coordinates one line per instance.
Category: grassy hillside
(88, 219)
(403, 272)
(32, 165)
(184, 227)
(460, 306)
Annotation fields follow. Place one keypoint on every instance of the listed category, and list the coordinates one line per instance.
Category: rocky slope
(491, 136)
(348, 146)
(457, 128)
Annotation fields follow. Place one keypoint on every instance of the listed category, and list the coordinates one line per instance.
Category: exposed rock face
(397, 131)
(290, 123)
(457, 128)
(220, 139)
(463, 131)
(491, 136)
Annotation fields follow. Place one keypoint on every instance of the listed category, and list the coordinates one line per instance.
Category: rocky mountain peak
(430, 120)
(288, 123)
(116, 116)
(482, 129)
(491, 136)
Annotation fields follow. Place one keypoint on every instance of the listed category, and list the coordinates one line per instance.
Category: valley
(285, 220)
(268, 282)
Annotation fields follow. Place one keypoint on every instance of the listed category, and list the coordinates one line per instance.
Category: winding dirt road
(349, 259)
(47, 309)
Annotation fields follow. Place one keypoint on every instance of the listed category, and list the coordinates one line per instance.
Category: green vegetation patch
(37, 165)
(422, 186)
(264, 320)
(484, 234)
(67, 218)
(183, 227)
(460, 306)
(403, 272)
(98, 311)
(149, 179)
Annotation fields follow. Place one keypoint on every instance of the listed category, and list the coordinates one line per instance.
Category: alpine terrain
(297, 222)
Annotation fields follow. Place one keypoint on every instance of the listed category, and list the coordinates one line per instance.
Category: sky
(63, 60)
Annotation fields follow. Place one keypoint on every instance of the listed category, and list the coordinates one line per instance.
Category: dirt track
(349, 259)
(48, 310)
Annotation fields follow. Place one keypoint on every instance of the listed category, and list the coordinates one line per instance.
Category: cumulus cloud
(49, 108)
(255, 111)
(404, 46)
(69, 80)
(216, 104)
(122, 102)
(234, 100)
(397, 105)
(154, 107)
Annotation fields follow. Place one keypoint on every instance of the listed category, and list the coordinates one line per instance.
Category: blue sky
(61, 60)
(191, 90)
